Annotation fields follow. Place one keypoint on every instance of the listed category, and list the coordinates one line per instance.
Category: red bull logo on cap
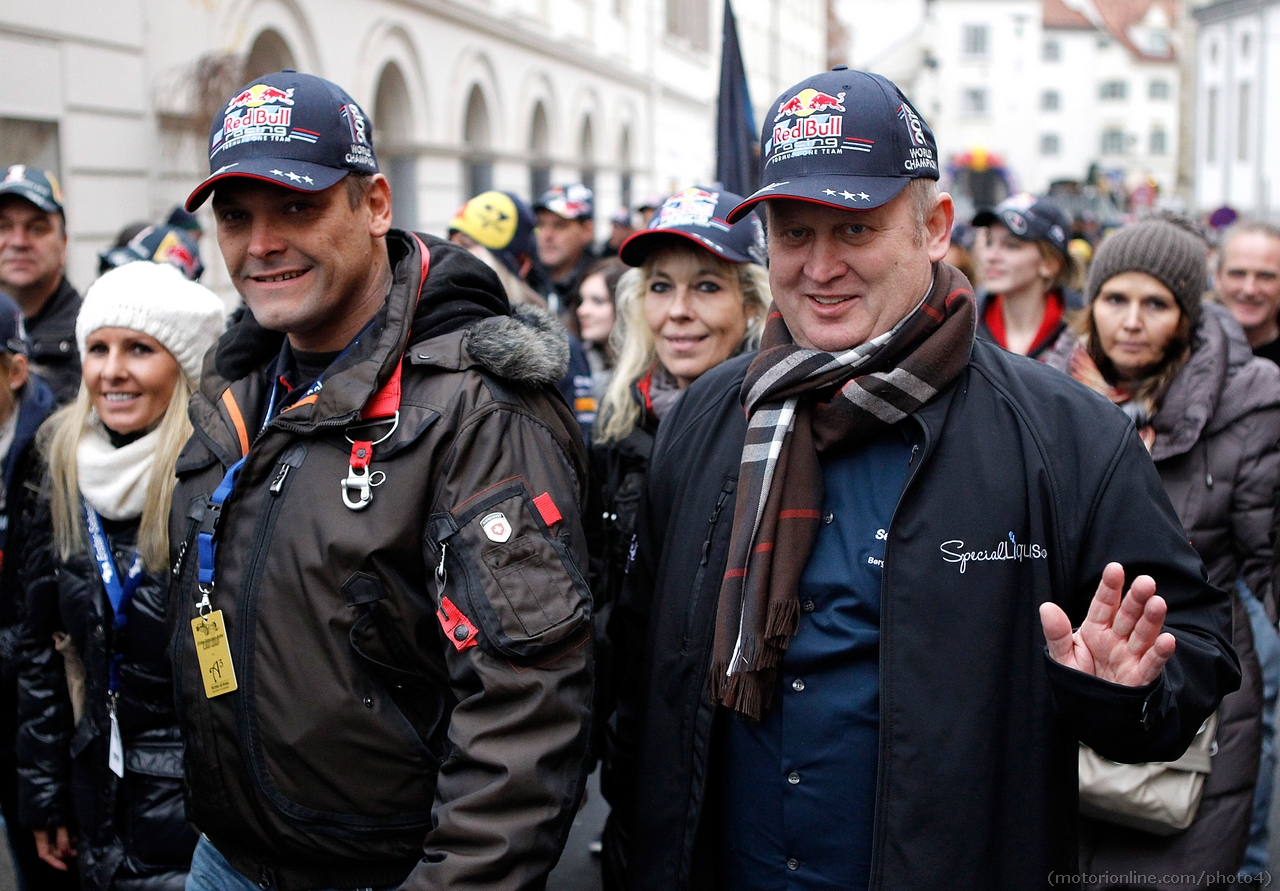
(808, 101)
(259, 95)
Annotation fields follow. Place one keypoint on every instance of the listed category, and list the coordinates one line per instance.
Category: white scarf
(114, 480)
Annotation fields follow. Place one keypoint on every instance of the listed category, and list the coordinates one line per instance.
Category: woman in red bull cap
(698, 296)
(1026, 272)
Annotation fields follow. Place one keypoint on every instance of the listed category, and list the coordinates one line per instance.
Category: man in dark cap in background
(33, 259)
(566, 230)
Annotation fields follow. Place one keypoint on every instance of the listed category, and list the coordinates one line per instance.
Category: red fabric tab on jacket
(456, 626)
(547, 507)
(361, 453)
(386, 402)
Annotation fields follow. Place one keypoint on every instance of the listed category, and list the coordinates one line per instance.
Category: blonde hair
(58, 440)
(632, 341)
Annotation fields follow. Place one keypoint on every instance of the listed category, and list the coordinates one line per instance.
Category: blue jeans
(1267, 644)
(210, 871)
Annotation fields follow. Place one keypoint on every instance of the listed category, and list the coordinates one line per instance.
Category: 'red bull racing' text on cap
(295, 130)
(846, 139)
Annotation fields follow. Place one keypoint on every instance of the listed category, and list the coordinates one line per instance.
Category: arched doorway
(478, 160)
(268, 54)
(393, 126)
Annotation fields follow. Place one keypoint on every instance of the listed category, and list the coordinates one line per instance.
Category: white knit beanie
(156, 299)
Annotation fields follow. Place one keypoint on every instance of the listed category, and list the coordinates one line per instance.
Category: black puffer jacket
(133, 833)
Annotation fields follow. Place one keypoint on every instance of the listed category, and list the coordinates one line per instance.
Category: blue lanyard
(206, 543)
(120, 594)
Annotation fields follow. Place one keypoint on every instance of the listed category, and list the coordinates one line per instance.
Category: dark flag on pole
(737, 141)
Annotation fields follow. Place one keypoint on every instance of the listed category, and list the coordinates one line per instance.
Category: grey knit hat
(1168, 250)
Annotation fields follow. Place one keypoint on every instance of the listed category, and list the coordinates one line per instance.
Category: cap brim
(40, 201)
(300, 176)
(636, 249)
(984, 218)
(840, 192)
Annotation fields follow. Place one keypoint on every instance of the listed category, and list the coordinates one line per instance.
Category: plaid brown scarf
(802, 402)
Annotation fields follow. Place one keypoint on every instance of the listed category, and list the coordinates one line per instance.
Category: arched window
(587, 153)
(540, 151)
(478, 162)
(268, 54)
(624, 165)
(393, 128)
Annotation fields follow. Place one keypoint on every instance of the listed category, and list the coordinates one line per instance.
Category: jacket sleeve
(1253, 503)
(44, 706)
(1132, 522)
(18, 507)
(515, 616)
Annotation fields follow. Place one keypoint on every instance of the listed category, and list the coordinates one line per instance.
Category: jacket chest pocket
(500, 558)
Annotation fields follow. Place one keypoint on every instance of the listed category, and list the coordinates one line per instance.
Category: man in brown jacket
(380, 627)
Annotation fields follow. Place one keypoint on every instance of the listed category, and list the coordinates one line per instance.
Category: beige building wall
(117, 97)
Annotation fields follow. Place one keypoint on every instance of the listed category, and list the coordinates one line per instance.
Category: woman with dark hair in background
(1209, 413)
(596, 315)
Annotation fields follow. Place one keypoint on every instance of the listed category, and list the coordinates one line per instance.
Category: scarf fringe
(780, 624)
(749, 693)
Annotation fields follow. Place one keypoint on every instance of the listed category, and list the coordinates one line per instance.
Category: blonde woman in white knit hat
(98, 743)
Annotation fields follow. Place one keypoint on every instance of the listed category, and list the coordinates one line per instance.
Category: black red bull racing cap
(40, 187)
(699, 215)
(846, 139)
(1030, 219)
(159, 244)
(295, 130)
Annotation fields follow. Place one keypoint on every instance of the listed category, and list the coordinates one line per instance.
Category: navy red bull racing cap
(846, 139)
(295, 130)
(700, 216)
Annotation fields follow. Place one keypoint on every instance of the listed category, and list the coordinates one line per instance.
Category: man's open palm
(1119, 641)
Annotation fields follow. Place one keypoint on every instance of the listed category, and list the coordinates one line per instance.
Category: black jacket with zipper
(368, 743)
(976, 783)
(52, 333)
(132, 832)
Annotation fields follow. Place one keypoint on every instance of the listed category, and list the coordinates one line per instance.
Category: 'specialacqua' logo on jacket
(954, 552)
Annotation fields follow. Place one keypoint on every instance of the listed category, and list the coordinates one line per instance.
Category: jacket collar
(1219, 384)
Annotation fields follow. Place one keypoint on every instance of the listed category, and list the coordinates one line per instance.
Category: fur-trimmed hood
(530, 346)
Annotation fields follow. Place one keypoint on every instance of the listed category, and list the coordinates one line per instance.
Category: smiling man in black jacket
(873, 680)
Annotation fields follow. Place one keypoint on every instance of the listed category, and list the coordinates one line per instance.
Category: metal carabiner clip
(357, 483)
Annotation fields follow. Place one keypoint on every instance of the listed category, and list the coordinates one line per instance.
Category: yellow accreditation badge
(214, 653)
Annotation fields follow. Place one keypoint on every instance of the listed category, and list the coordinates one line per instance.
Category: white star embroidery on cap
(293, 176)
(831, 192)
(847, 195)
(278, 172)
(308, 180)
(863, 196)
